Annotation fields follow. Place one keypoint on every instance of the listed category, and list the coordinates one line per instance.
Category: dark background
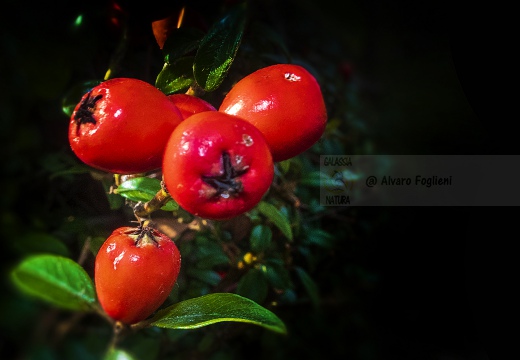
(435, 78)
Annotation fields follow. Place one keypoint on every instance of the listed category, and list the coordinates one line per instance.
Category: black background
(448, 274)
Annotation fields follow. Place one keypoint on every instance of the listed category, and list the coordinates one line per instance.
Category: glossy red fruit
(217, 166)
(122, 125)
(135, 271)
(285, 103)
(189, 104)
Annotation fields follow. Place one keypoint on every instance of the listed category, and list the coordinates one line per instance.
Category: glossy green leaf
(74, 95)
(309, 285)
(143, 189)
(213, 308)
(253, 285)
(57, 280)
(176, 77)
(276, 217)
(260, 238)
(218, 49)
(180, 42)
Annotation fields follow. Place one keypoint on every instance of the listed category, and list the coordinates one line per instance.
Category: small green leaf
(284, 166)
(213, 308)
(260, 238)
(74, 95)
(276, 217)
(253, 285)
(143, 189)
(180, 42)
(57, 280)
(218, 49)
(309, 285)
(176, 77)
(139, 189)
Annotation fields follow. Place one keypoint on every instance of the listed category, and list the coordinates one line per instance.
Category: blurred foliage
(389, 87)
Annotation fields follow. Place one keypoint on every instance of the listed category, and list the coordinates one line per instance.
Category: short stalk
(142, 210)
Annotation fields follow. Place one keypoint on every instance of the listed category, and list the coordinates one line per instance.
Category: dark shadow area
(407, 283)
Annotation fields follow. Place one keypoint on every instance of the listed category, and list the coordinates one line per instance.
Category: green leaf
(309, 285)
(260, 238)
(253, 285)
(284, 166)
(218, 49)
(180, 42)
(213, 308)
(276, 217)
(57, 280)
(176, 77)
(143, 189)
(74, 95)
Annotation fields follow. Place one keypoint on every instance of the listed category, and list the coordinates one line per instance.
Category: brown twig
(158, 201)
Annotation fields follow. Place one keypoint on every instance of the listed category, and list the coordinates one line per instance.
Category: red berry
(285, 103)
(122, 125)
(135, 271)
(189, 104)
(217, 166)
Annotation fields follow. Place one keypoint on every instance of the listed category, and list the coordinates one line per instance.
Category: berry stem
(158, 201)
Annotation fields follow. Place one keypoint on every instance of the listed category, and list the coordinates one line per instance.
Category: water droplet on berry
(247, 140)
(118, 259)
(111, 247)
(292, 77)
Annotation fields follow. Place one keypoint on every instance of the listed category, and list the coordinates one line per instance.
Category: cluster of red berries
(215, 164)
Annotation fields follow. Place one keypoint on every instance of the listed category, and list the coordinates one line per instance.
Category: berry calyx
(85, 112)
(228, 182)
